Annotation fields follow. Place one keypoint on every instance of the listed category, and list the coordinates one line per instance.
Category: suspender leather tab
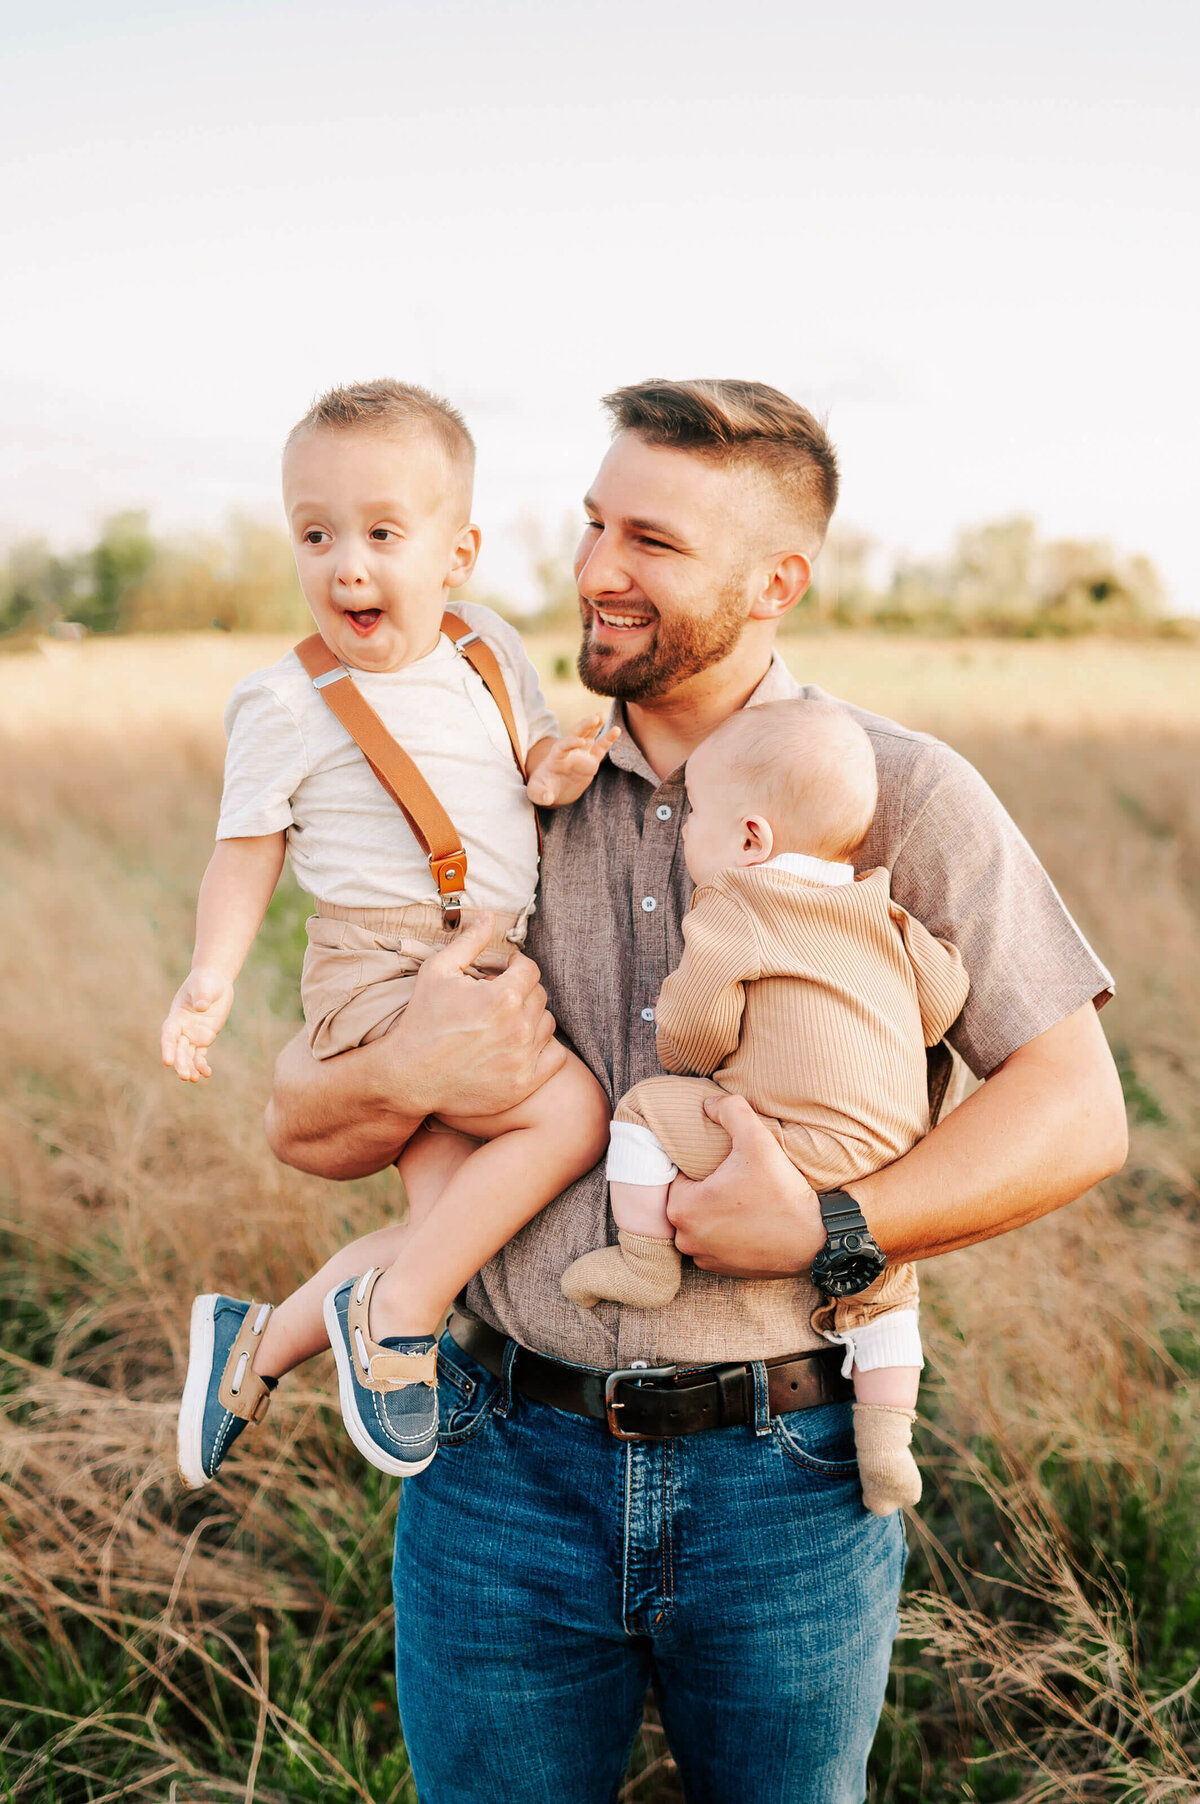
(432, 827)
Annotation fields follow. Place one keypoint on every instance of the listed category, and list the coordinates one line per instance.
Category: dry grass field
(236, 1645)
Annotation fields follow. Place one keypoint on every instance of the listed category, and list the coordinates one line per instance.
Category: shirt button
(648, 905)
(647, 1014)
(663, 811)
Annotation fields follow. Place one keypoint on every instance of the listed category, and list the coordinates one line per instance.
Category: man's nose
(598, 568)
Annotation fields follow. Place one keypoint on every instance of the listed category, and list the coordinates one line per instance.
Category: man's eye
(591, 526)
(656, 544)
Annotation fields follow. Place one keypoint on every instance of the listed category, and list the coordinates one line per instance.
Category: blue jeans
(545, 1573)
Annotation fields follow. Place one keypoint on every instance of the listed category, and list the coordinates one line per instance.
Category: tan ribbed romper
(816, 1003)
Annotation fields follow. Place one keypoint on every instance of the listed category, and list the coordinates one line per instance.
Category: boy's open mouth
(364, 620)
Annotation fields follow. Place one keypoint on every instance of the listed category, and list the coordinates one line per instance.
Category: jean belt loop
(506, 1378)
(762, 1405)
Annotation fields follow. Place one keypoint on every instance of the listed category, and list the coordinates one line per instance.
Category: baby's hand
(197, 1015)
(569, 765)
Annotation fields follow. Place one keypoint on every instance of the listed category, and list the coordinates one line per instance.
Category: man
(547, 1566)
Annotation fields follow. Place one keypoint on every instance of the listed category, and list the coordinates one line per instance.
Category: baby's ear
(758, 841)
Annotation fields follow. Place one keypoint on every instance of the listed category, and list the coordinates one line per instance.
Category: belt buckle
(636, 1373)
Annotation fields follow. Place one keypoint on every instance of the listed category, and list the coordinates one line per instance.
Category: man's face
(663, 568)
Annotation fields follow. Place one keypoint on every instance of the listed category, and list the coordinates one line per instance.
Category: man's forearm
(1047, 1125)
(338, 1117)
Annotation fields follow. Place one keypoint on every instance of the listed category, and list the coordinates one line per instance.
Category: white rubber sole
(190, 1438)
(385, 1462)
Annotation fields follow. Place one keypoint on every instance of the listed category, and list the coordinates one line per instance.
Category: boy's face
(380, 535)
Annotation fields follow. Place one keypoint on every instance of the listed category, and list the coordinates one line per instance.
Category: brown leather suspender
(434, 830)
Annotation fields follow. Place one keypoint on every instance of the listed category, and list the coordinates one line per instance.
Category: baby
(377, 487)
(812, 995)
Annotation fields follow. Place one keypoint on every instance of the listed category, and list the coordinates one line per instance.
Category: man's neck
(668, 729)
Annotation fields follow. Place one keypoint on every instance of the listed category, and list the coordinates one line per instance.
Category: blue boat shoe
(388, 1396)
(222, 1394)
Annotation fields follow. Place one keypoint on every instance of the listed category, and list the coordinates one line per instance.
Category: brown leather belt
(652, 1403)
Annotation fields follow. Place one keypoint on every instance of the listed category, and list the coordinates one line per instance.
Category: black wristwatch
(851, 1258)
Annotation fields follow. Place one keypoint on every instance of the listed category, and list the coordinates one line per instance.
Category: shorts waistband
(423, 921)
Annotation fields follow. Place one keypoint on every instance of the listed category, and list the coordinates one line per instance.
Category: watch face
(845, 1270)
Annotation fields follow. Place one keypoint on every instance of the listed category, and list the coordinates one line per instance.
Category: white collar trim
(817, 870)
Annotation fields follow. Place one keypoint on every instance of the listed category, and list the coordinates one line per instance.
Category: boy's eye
(380, 533)
(313, 536)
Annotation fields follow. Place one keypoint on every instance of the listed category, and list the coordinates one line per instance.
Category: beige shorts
(362, 963)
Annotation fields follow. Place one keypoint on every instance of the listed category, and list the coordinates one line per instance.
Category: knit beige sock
(890, 1479)
(639, 1271)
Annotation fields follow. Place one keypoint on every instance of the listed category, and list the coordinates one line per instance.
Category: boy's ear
(463, 558)
(758, 841)
(785, 583)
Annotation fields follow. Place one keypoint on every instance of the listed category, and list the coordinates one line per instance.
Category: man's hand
(561, 769)
(462, 1046)
(482, 1047)
(755, 1216)
(196, 1016)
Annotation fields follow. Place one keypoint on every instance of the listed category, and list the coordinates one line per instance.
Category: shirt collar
(817, 870)
(777, 685)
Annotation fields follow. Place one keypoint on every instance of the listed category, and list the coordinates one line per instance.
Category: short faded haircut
(388, 406)
(735, 423)
(809, 767)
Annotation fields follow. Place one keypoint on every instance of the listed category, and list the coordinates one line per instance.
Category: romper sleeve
(265, 763)
(699, 1012)
(942, 983)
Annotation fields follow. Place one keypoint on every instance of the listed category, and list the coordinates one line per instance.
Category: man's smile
(617, 623)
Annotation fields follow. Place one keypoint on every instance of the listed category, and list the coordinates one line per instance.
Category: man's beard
(680, 649)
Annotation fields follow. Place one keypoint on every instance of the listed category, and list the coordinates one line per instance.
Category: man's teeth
(623, 619)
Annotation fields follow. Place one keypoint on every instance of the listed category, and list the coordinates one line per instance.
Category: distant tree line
(130, 581)
(998, 579)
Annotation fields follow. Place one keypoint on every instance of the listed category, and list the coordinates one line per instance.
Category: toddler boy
(377, 486)
(813, 995)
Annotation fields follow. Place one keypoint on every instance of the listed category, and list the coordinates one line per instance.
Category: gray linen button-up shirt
(614, 891)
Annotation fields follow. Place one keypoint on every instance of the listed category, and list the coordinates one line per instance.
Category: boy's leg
(530, 1155)
(296, 1329)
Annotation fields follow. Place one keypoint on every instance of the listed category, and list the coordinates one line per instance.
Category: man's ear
(462, 560)
(785, 583)
(758, 841)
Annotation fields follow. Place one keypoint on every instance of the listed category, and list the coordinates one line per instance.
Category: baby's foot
(388, 1392)
(886, 1468)
(222, 1393)
(640, 1271)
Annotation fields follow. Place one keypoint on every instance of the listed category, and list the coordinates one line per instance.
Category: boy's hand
(197, 1015)
(564, 769)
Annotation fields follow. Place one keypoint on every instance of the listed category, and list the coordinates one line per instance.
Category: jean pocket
(820, 1440)
(467, 1394)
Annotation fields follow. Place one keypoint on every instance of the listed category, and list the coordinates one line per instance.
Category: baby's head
(794, 776)
(377, 487)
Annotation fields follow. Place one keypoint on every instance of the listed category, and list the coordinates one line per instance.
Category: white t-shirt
(291, 765)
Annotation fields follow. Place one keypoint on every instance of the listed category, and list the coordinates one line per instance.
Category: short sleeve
(265, 763)
(963, 868)
(518, 670)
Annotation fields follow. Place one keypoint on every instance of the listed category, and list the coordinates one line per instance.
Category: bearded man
(627, 1496)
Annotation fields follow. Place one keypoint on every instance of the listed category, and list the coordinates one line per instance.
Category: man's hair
(739, 423)
(810, 768)
(386, 406)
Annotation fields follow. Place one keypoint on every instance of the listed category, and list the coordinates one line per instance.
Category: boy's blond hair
(809, 767)
(386, 405)
(739, 423)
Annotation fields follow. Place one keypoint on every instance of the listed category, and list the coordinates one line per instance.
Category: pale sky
(967, 234)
